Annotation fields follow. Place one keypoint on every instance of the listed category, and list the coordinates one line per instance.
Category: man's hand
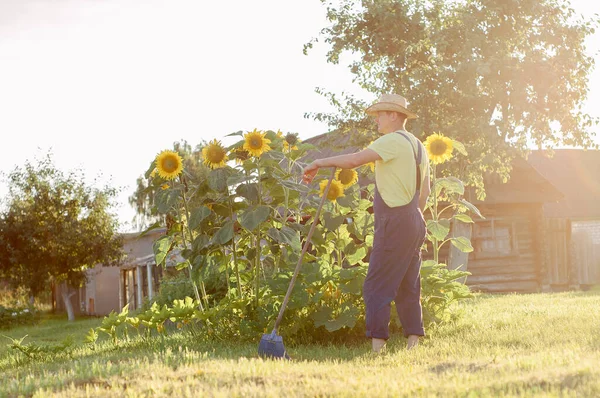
(309, 172)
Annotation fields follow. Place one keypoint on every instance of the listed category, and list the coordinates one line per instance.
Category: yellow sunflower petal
(439, 148)
(255, 143)
(335, 191)
(214, 155)
(287, 147)
(169, 164)
(347, 177)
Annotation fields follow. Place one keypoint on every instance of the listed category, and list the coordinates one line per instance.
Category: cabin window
(494, 238)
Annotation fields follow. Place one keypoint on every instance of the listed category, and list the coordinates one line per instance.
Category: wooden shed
(510, 244)
(573, 223)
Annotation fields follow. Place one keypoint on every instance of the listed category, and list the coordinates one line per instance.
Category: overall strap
(417, 156)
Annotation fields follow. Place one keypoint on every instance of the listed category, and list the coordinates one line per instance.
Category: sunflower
(347, 177)
(153, 172)
(168, 164)
(256, 143)
(165, 186)
(214, 154)
(289, 144)
(439, 148)
(336, 190)
(279, 134)
(240, 155)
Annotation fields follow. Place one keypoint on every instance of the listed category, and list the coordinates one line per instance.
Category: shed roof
(576, 173)
(526, 185)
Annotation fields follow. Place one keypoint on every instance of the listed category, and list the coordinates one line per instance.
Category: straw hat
(392, 103)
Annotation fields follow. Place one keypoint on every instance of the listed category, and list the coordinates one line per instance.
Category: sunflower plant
(238, 229)
(446, 205)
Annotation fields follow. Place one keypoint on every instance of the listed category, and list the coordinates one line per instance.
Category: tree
(497, 75)
(53, 228)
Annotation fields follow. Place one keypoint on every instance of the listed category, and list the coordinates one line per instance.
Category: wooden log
(517, 287)
(500, 278)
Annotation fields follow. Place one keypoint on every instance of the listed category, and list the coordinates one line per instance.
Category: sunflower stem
(257, 259)
(185, 246)
(235, 261)
(337, 235)
(434, 241)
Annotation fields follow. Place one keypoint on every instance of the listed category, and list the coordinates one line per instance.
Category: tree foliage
(54, 227)
(497, 75)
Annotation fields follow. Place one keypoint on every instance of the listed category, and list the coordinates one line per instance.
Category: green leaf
(239, 133)
(286, 236)
(345, 201)
(303, 188)
(161, 249)
(347, 319)
(217, 179)
(238, 178)
(198, 215)
(252, 217)
(224, 234)
(463, 218)
(92, 336)
(332, 223)
(166, 199)
(451, 185)
(439, 229)
(361, 225)
(463, 244)
(152, 227)
(459, 147)
(321, 316)
(202, 241)
(357, 256)
(248, 191)
(182, 265)
(471, 207)
(353, 286)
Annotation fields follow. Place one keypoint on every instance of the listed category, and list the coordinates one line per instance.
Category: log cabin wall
(508, 249)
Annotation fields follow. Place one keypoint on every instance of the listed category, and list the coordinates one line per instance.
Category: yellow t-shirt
(396, 174)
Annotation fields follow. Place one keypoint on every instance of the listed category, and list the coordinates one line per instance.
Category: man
(402, 187)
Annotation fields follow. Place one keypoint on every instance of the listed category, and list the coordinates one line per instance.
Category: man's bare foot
(378, 345)
(413, 341)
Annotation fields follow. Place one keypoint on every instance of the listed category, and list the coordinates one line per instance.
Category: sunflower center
(438, 147)
(346, 176)
(242, 155)
(169, 164)
(291, 139)
(215, 154)
(255, 142)
(334, 192)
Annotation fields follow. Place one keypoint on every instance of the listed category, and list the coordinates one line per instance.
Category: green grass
(513, 345)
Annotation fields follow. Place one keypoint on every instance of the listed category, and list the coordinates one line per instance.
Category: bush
(174, 287)
(11, 317)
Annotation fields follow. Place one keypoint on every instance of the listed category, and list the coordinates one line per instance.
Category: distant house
(111, 288)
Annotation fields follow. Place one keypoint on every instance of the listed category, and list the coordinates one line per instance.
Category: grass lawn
(512, 345)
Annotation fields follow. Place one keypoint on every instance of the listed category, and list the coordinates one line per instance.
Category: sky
(104, 85)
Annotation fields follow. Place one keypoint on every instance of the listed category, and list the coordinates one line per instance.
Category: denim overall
(394, 264)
